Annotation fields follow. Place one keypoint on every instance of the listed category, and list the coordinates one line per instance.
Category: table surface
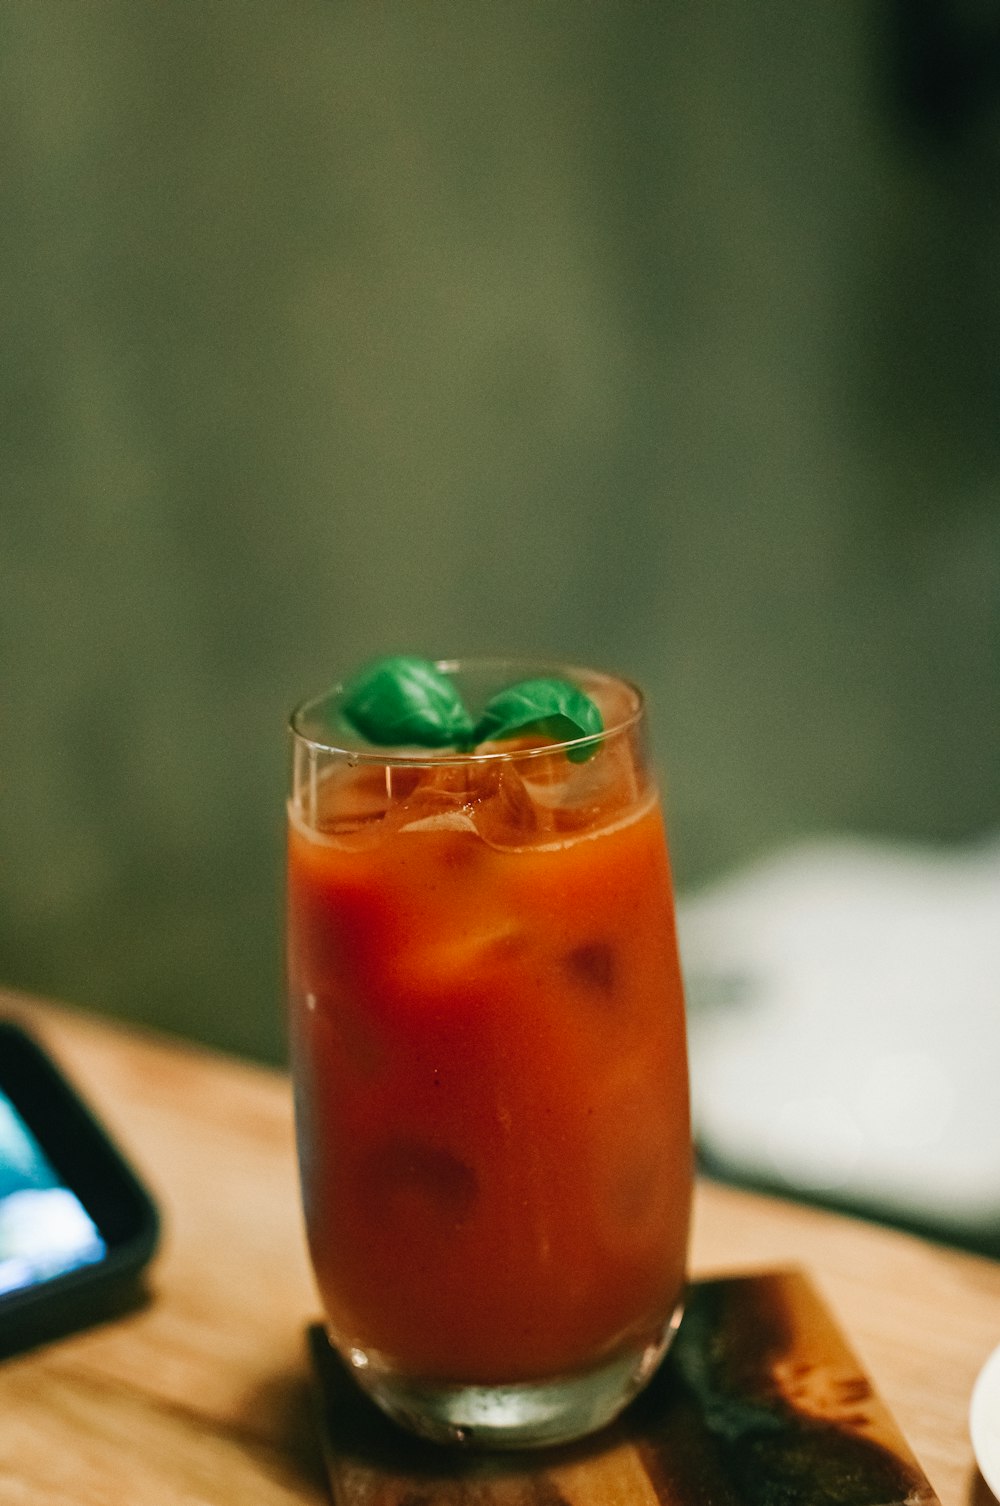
(203, 1394)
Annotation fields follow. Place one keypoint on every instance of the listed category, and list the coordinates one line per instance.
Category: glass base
(530, 1415)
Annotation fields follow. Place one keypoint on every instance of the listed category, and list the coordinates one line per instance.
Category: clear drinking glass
(487, 1037)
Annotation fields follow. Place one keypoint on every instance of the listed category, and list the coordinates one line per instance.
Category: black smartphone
(77, 1225)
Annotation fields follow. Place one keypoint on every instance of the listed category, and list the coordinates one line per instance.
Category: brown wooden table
(202, 1396)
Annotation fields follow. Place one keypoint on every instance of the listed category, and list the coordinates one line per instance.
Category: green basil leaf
(553, 708)
(403, 700)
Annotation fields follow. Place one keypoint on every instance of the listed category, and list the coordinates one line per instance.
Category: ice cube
(456, 820)
(546, 778)
(442, 797)
(512, 818)
(596, 792)
(593, 964)
(546, 797)
(464, 781)
(639, 1165)
(350, 801)
(406, 1178)
(355, 805)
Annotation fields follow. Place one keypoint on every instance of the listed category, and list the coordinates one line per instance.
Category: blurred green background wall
(661, 336)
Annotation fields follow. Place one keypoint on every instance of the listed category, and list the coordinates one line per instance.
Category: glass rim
(404, 756)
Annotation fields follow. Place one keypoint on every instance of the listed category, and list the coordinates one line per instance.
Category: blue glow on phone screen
(44, 1228)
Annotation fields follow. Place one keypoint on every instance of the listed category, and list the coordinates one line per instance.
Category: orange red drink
(488, 1048)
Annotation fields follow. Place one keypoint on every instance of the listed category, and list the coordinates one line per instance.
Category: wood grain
(203, 1395)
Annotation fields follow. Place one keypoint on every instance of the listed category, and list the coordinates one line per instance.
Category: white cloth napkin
(844, 1022)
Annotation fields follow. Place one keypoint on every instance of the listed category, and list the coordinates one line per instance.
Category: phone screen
(45, 1230)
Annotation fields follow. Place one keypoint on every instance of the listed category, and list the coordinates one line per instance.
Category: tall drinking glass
(487, 1037)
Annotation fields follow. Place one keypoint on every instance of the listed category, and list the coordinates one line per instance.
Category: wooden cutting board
(760, 1403)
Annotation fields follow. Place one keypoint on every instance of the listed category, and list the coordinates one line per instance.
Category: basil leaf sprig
(555, 709)
(406, 700)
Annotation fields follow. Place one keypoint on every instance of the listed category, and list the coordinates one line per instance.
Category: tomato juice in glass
(488, 1046)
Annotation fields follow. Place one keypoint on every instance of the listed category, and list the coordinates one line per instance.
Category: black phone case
(88, 1161)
